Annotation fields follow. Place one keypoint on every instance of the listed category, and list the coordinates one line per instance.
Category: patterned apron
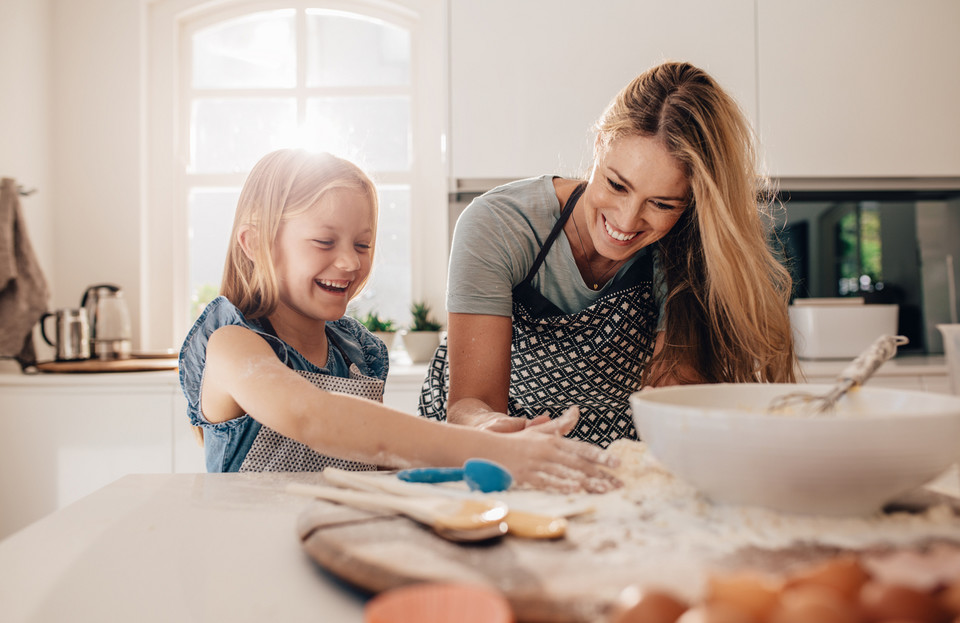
(593, 358)
(272, 452)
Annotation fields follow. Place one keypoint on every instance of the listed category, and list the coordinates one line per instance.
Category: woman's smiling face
(635, 195)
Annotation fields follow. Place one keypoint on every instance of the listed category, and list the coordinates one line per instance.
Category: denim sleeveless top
(355, 353)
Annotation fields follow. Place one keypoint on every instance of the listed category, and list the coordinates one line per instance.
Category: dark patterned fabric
(593, 358)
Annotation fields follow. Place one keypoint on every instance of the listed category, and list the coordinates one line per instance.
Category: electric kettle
(110, 336)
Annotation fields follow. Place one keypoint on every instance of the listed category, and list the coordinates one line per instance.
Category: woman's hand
(545, 460)
(503, 423)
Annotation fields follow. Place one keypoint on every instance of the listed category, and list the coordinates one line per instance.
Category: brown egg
(812, 603)
(653, 607)
(844, 574)
(752, 594)
(716, 613)
(881, 601)
(949, 598)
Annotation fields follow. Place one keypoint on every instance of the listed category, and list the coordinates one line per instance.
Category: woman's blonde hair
(282, 185)
(728, 295)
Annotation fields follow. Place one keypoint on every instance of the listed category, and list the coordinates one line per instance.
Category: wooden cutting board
(134, 364)
(545, 581)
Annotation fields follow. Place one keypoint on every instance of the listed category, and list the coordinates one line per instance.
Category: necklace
(593, 280)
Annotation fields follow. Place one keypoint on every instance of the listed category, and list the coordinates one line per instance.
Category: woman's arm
(478, 350)
(243, 375)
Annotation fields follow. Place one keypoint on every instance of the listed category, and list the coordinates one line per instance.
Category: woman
(656, 271)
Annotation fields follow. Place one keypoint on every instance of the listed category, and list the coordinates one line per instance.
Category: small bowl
(877, 444)
(439, 602)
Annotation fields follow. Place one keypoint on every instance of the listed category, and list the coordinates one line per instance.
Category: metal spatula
(855, 374)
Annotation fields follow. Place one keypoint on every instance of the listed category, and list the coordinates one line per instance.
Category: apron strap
(268, 328)
(555, 232)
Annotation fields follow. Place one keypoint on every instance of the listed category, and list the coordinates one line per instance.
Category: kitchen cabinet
(853, 89)
(402, 390)
(66, 435)
(859, 88)
(529, 79)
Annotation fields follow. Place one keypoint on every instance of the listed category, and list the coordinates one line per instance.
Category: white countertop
(904, 365)
(183, 547)
(224, 547)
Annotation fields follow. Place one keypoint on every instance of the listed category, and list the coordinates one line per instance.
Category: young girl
(280, 380)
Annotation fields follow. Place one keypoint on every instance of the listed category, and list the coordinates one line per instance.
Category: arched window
(352, 78)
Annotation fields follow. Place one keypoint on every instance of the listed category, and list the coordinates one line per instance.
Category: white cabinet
(529, 79)
(402, 389)
(65, 436)
(859, 88)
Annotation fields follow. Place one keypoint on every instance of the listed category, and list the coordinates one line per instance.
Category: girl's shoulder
(220, 312)
(362, 347)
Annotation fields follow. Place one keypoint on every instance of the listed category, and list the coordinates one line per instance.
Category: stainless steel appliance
(72, 334)
(110, 334)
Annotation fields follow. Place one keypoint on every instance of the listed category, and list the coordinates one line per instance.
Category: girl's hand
(546, 460)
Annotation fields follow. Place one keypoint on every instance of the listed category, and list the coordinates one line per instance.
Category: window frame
(165, 272)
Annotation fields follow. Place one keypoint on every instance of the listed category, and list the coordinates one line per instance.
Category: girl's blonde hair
(728, 295)
(282, 185)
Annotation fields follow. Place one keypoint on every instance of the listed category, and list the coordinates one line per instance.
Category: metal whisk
(855, 374)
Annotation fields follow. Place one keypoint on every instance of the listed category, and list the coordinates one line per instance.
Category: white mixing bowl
(878, 444)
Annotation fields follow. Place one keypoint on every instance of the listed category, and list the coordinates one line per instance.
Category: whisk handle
(867, 362)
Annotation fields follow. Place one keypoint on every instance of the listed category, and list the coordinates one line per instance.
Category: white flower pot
(421, 345)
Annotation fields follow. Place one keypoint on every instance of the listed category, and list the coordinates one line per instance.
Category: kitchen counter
(183, 547)
(225, 547)
(413, 374)
(903, 365)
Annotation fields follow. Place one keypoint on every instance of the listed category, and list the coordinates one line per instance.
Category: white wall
(24, 125)
(70, 116)
(97, 77)
(24, 112)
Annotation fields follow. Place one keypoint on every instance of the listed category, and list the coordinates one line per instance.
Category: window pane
(388, 290)
(371, 131)
(231, 135)
(353, 51)
(211, 218)
(256, 50)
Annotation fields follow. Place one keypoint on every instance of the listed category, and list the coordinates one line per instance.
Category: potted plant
(382, 328)
(423, 336)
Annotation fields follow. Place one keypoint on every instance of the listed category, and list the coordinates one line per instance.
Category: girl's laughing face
(323, 255)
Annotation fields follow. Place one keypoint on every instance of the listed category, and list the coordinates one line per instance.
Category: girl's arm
(478, 348)
(243, 375)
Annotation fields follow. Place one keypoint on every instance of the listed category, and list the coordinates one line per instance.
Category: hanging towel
(23, 288)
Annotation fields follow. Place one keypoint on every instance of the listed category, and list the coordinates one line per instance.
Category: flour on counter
(657, 510)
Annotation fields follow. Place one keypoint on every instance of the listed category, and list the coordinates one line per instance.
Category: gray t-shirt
(496, 241)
